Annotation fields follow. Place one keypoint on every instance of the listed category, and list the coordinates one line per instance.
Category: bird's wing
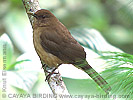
(61, 44)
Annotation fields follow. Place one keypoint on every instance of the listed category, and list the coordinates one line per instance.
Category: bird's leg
(44, 66)
(50, 73)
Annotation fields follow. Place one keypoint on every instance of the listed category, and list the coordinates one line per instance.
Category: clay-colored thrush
(55, 46)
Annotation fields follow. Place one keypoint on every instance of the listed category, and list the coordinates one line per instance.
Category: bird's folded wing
(61, 44)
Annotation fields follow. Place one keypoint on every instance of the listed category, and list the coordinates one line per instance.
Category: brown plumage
(55, 45)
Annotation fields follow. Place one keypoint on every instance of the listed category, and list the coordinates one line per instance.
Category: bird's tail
(94, 75)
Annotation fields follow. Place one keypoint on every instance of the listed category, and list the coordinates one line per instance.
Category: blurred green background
(113, 18)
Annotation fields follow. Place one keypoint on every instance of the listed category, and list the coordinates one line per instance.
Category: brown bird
(55, 46)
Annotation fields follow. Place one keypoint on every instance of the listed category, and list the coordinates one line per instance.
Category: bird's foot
(44, 66)
(50, 73)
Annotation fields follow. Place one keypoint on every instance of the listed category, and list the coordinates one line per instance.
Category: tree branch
(55, 82)
(31, 6)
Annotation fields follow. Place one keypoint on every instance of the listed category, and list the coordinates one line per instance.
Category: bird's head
(43, 17)
(42, 14)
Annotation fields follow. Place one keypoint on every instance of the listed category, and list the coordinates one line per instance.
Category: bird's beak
(31, 13)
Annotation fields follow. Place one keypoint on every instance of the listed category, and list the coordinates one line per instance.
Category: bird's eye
(43, 16)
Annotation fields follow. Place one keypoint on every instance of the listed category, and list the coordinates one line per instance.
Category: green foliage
(6, 50)
(6, 53)
(120, 74)
(119, 78)
(17, 78)
(118, 58)
(84, 86)
(15, 63)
